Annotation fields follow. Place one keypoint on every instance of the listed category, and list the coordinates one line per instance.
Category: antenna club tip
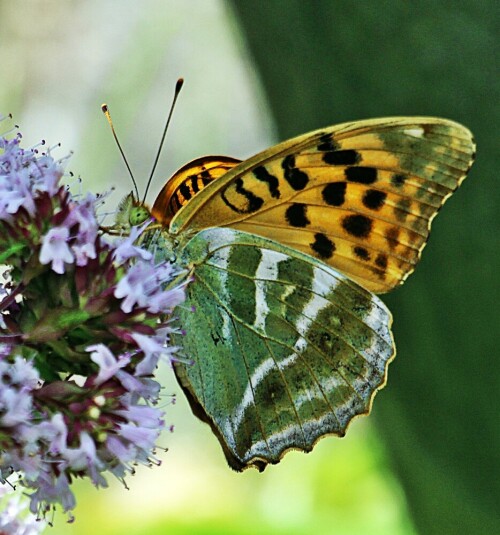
(179, 84)
(104, 108)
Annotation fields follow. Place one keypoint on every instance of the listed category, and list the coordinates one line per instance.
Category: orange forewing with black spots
(360, 196)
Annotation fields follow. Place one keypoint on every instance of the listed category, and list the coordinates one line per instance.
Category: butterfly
(286, 251)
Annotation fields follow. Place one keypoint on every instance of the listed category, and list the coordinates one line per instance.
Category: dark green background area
(327, 62)
(324, 62)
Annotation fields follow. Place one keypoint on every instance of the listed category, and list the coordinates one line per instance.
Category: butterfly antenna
(105, 110)
(178, 87)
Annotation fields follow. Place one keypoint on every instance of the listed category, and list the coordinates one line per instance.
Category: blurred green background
(257, 72)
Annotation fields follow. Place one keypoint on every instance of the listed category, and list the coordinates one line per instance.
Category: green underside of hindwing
(285, 349)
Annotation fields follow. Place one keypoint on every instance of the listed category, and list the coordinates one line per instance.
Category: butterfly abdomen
(187, 182)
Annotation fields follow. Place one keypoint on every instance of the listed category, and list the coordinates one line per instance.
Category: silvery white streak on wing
(382, 344)
(325, 280)
(233, 423)
(327, 384)
(257, 376)
(379, 316)
(260, 373)
(261, 447)
(323, 284)
(267, 270)
(298, 347)
(377, 355)
(415, 132)
(261, 306)
(218, 238)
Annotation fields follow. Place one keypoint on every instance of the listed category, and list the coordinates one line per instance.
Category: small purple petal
(143, 416)
(107, 362)
(84, 252)
(83, 457)
(142, 437)
(125, 248)
(55, 249)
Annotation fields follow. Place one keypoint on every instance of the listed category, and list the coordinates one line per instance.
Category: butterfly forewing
(285, 349)
(358, 196)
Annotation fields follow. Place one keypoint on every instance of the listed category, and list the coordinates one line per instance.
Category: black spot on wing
(193, 180)
(327, 144)
(253, 203)
(402, 210)
(296, 215)
(374, 199)
(323, 246)
(334, 193)
(381, 261)
(361, 175)
(295, 177)
(392, 237)
(362, 253)
(262, 174)
(398, 180)
(342, 157)
(359, 226)
(206, 178)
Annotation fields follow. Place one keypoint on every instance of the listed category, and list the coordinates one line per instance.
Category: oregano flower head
(80, 336)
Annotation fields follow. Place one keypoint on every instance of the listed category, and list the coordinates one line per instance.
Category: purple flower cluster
(80, 336)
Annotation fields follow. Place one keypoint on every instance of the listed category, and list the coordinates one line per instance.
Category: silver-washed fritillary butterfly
(286, 250)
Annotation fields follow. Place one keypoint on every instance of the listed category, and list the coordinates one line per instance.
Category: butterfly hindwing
(285, 348)
(359, 196)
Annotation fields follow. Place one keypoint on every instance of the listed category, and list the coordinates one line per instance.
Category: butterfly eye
(138, 214)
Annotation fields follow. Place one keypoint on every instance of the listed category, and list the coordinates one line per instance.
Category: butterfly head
(134, 213)
(139, 213)
(131, 213)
